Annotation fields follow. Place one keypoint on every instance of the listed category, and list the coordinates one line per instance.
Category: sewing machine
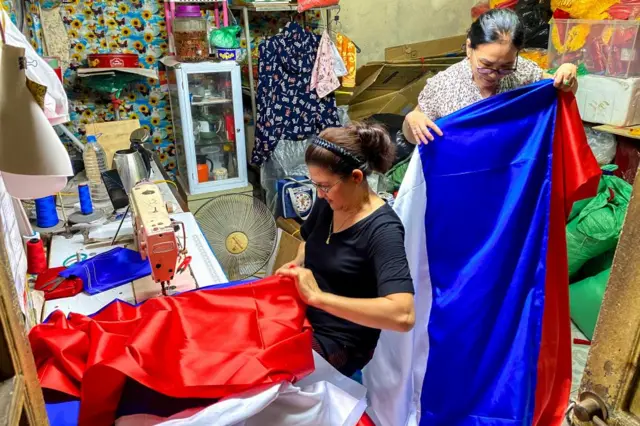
(155, 234)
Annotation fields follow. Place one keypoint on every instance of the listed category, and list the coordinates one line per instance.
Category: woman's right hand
(287, 266)
(421, 127)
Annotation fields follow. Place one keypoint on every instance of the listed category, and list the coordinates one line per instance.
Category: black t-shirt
(367, 260)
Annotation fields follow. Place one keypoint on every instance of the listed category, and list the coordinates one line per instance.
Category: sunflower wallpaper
(127, 26)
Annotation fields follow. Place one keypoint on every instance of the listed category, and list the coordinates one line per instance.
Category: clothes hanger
(338, 25)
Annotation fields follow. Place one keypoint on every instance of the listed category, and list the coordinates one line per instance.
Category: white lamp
(33, 161)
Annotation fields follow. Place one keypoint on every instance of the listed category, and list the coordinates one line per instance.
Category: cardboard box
(609, 100)
(426, 49)
(388, 88)
(393, 86)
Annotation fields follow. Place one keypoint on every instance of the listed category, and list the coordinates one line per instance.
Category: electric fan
(241, 232)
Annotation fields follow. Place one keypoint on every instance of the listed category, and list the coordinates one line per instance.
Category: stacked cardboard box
(393, 85)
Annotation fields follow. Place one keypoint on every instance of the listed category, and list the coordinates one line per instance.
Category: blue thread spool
(46, 213)
(86, 207)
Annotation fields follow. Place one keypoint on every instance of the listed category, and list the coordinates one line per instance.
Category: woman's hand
(307, 285)
(287, 266)
(421, 127)
(566, 78)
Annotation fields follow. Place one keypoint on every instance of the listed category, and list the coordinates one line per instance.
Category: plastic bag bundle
(479, 8)
(535, 17)
(584, 9)
(595, 224)
(226, 37)
(602, 144)
(585, 299)
(503, 4)
(311, 4)
(625, 10)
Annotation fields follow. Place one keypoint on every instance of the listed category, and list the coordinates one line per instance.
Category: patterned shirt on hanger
(288, 109)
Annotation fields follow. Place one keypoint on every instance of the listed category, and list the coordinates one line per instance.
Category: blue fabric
(288, 109)
(487, 219)
(63, 413)
(108, 270)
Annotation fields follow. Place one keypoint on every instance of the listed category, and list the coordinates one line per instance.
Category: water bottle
(95, 163)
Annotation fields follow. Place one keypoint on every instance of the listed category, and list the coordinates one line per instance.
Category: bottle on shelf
(95, 163)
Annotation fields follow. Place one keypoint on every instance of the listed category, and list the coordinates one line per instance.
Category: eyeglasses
(502, 71)
(325, 188)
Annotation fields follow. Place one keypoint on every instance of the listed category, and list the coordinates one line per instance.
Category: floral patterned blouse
(454, 89)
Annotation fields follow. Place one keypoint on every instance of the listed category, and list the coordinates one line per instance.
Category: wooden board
(11, 400)
(113, 135)
(632, 132)
(16, 358)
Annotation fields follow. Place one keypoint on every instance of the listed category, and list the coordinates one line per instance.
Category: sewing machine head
(155, 233)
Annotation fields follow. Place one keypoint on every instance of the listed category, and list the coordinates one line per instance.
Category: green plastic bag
(396, 174)
(585, 299)
(595, 224)
(226, 37)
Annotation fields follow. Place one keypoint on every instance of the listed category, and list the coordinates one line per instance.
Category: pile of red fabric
(209, 343)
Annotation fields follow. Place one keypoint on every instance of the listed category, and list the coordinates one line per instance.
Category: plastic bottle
(95, 163)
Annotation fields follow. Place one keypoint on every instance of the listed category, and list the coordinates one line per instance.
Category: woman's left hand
(306, 282)
(566, 78)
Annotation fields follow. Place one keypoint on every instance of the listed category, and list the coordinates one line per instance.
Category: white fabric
(338, 63)
(395, 375)
(56, 104)
(325, 397)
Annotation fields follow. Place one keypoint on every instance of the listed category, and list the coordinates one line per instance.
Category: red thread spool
(36, 259)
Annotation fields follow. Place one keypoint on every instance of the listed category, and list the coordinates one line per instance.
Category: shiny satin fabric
(203, 344)
(109, 269)
(491, 234)
(576, 175)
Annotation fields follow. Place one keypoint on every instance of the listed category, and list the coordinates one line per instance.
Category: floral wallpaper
(128, 26)
(118, 26)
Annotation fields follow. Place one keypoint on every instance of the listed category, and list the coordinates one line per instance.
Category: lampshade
(33, 160)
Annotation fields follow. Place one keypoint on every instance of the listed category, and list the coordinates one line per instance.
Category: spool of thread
(86, 207)
(36, 259)
(46, 213)
(26, 238)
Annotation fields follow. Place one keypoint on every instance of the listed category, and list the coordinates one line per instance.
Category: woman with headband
(352, 269)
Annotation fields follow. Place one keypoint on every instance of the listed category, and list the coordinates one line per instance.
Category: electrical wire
(166, 181)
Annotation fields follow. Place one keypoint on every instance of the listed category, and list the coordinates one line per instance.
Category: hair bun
(376, 145)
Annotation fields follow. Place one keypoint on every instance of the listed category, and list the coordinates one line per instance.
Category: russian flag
(487, 252)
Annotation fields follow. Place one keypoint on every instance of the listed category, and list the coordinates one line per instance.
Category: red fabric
(575, 176)
(205, 344)
(365, 421)
(627, 159)
(68, 288)
(304, 5)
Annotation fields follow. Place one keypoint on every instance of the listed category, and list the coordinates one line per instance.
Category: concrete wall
(376, 24)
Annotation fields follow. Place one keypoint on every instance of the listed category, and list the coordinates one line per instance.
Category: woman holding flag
(352, 269)
(492, 67)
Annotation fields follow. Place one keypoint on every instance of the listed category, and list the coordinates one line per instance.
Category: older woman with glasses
(352, 269)
(492, 66)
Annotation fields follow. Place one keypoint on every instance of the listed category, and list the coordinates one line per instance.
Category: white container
(609, 100)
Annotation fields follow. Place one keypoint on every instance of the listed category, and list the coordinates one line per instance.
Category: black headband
(339, 151)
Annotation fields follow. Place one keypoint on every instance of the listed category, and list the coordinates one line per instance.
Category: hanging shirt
(288, 109)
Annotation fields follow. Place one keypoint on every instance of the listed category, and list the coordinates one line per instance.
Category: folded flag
(208, 344)
(487, 252)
